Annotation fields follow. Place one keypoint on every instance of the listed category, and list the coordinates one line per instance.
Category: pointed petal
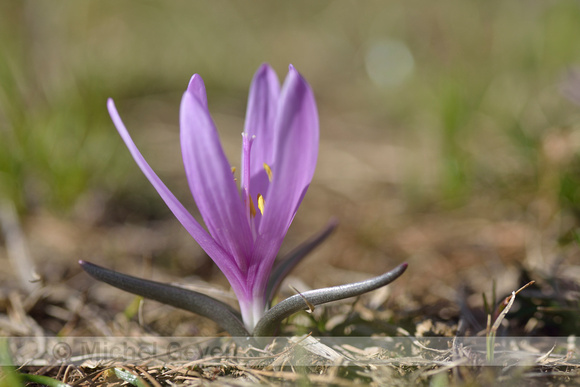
(296, 151)
(207, 243)
(260, 116)
(197, 88)
(210, 179)
(259, 126)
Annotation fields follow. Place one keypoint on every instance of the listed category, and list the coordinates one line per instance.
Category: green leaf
(10, 376)
(44, 380)
(129, 377)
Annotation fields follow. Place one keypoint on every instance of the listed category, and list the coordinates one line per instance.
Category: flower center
(250, 207)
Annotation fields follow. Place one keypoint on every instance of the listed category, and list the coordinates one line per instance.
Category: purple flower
(279, 151)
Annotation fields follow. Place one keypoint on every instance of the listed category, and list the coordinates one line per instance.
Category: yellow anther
(261, 203)
(233, 170)
(268, 171)
(252, 208)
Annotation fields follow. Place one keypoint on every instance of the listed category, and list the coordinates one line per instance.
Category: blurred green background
(425, 108)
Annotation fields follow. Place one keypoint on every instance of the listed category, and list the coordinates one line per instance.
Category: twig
(17, 247)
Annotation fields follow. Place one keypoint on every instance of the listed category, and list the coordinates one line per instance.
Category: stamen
(252, 208)
(245, 176)
(233, 170)
(261, 203)
(268, 171)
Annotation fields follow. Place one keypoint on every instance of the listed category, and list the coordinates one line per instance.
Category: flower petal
(260, 116)
(296, 150)
(197, 88)
(259, 128)
(210, 177)
(207, 243)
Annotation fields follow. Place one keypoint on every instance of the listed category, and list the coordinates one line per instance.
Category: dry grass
(433, 353)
